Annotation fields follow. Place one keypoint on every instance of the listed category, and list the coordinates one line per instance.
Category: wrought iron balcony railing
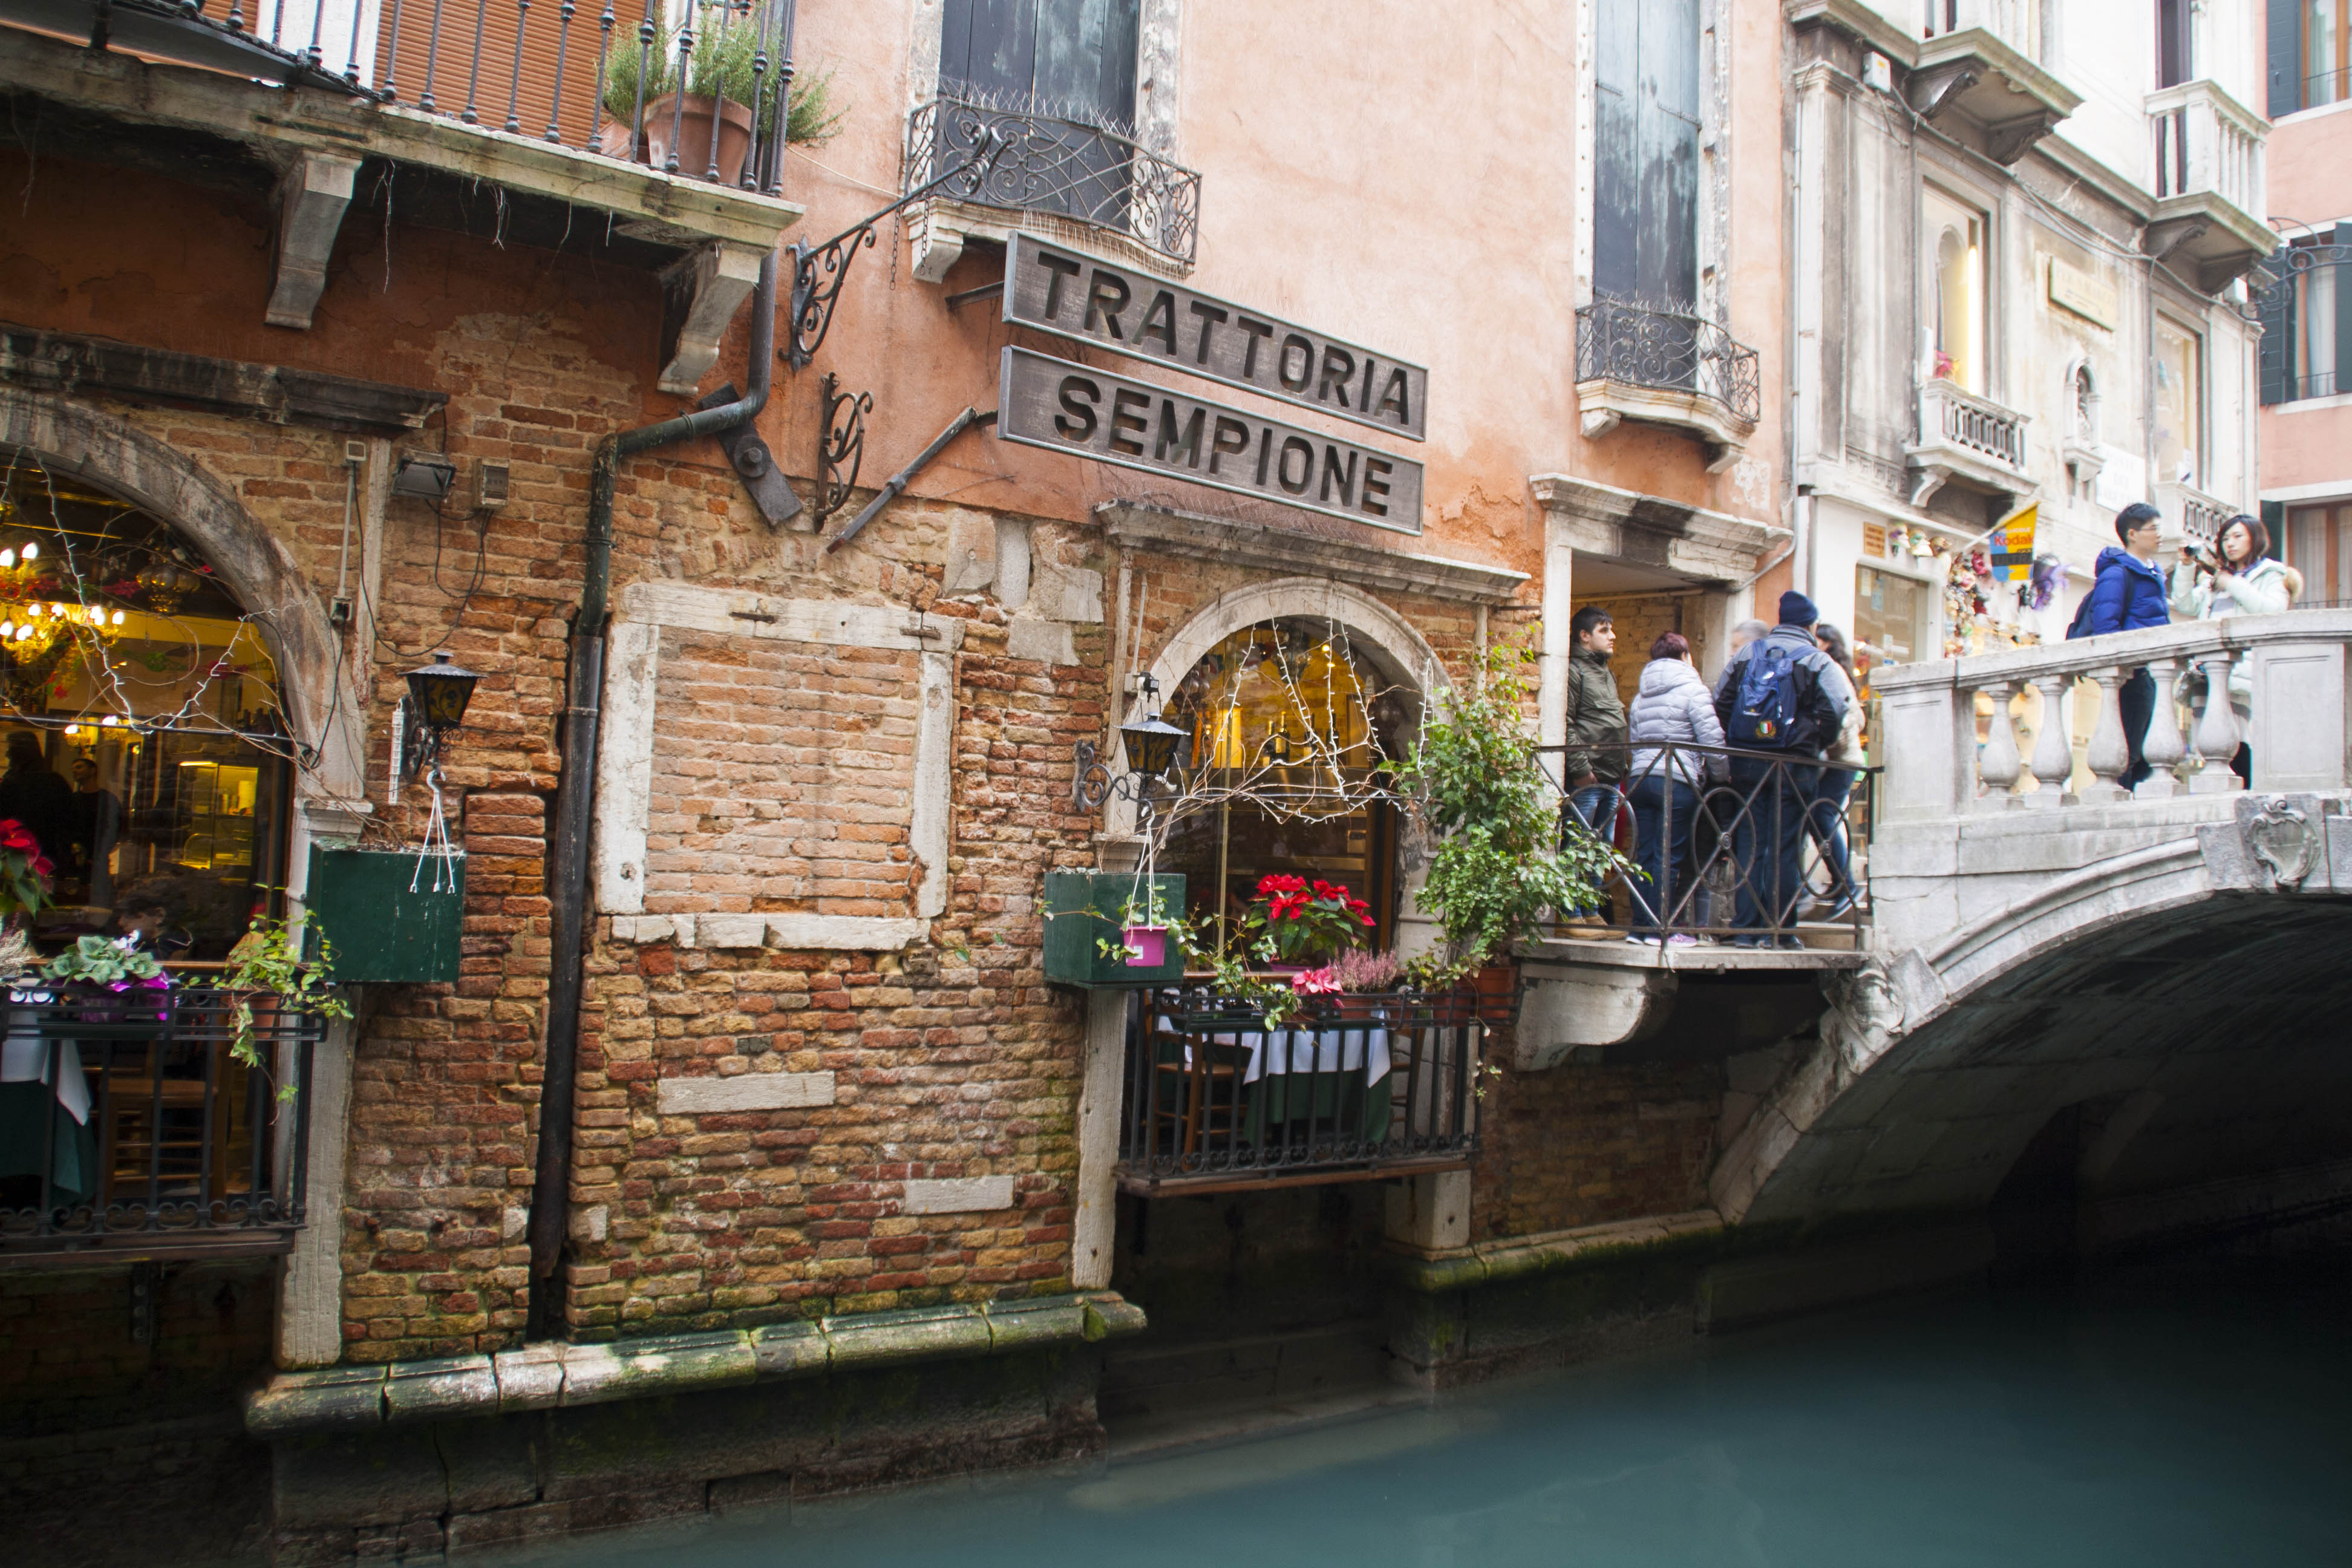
(1363, 1086)
(128, 1124)
(1069, 167)
(1667, 351)
(550, 70)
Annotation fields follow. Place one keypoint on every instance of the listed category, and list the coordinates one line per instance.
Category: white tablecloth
(24, 1059)
(1355, 1047)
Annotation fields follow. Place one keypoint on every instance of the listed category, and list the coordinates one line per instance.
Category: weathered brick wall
(69, 1362)
(1585, 1146)
(1639, 618)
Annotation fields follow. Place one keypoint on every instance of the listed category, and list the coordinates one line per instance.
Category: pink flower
(1314, 982)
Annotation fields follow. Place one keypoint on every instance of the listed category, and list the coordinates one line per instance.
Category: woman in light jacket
(1673, 706)
(1826, 815)
(2239, 580)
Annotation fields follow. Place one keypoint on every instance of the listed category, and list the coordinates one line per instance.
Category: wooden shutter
(1646, 151)
(1075, 57)
(991, 46)
(2275, 304)
(2283, 36)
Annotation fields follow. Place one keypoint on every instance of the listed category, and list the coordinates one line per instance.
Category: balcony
(1974, 64)
(2197, 515)
(509, 122)
(1665, 367)
(1362, 1087)
(132, 1129)
(2206, 169)
(1967, 437)
(1068, 178)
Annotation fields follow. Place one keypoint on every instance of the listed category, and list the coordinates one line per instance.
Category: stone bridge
(2093, 1016)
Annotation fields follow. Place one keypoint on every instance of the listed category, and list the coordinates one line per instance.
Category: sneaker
(1790, 945)
(1642, 940)
(1679, 939)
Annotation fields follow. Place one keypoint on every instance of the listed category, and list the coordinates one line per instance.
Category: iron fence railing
(1667, 350)
(600, 77)
(1744, 847)
(127, 1122)
(1069, 167)
(1361, 1086)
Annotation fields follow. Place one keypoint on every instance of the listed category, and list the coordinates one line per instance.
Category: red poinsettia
(25, 871)
(1293, 920)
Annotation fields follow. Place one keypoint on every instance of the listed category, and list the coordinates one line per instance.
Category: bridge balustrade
(1943, 758)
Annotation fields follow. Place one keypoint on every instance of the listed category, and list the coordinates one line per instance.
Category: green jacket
(1595, 716)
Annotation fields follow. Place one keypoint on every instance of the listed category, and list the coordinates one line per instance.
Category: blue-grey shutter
(2343, 366)
(1646, 151)
(1074, 59)
(990, 47)
(2282, 33)
(2275, 302)
(2274, 524)
(1616, 181)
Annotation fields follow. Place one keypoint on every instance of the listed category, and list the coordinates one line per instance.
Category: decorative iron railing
(1362, 1087)
(128, 1123)
(1668, 350)
(1757, 849)
(1069, 167)
(551, 69)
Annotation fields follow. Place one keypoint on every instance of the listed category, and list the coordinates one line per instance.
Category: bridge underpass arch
(2189, 1011)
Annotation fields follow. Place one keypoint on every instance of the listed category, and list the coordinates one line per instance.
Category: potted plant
(720, 81)
(269, 973)
(1500, 866)
(24, 875)
(1111, 930)
(99, 974)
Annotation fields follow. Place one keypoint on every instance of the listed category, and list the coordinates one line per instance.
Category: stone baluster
(1998, 765)
(2163, 747)
(2053, 745)
(2108, 754)
(2217, 728)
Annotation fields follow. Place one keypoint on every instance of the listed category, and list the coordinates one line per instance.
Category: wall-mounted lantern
(1148, 746)
(435, 704)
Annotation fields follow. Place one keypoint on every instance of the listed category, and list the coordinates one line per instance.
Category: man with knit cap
(1773, 697)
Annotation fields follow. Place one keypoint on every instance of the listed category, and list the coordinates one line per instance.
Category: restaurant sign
(1072, 295)
(1065, 408)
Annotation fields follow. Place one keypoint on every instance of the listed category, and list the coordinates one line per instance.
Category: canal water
(2141, 1424)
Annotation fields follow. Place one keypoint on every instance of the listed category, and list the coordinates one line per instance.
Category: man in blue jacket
(2129, 593)
(1773, 697)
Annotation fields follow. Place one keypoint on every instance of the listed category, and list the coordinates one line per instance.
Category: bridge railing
(1947, 754)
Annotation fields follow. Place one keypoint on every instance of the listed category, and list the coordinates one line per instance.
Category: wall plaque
(1065, 408)
(2086, 293)
(1072, 295)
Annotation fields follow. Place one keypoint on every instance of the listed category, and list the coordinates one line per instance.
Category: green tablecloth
(30, 1117)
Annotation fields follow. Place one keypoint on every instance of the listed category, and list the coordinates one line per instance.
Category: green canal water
(2144, 1425)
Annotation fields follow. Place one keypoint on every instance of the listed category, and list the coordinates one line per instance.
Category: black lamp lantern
(1150, 745)
(437, 696)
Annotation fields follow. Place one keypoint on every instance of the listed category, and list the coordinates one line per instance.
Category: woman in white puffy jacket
(1673, 705)
(2239, 578)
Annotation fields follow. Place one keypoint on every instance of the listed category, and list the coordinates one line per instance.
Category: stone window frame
(939, 229)
(1714, 283)
(624, 761)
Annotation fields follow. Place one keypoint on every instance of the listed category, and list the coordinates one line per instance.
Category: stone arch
(1402, 654)
(1916, 1012)
(150, 474)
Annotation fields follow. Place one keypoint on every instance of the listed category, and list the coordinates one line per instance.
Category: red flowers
(25, 871)
(13, 837)
(1302, 920)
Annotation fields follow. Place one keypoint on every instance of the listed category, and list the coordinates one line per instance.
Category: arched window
(146, 746)
(1956, 324)
(2086, 393)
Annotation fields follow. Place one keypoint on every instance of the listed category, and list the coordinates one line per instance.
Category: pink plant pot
(1147, 946)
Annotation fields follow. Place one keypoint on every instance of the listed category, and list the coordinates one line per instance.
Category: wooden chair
(1196, 1090)
(154, 1117)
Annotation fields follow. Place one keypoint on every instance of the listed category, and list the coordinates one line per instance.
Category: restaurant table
(36, 1114)
(1324, 1076)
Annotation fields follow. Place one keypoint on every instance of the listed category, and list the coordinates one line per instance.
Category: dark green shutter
(2343, 366)
(2284, 34)
(2274, 301)
(2274, 524)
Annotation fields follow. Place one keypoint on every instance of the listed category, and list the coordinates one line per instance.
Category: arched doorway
(148, 746)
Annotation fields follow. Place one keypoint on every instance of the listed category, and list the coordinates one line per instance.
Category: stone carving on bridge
(1865, 1014)
(2281, 839)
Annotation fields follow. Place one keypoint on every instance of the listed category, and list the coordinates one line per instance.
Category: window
(2179, 394)
(1645, 152)
(2319, 545)
(2306, 345)
(2172, 52)
(1072, 61)
(1955, 328)
(2310, 49)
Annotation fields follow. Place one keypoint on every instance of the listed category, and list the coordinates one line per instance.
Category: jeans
(1770, 841)
(1595, 807)
(1662, 848)
(1828, 828)
(2136, 702)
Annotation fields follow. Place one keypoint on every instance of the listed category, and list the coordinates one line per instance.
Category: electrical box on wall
(489, 486)
(389, 920)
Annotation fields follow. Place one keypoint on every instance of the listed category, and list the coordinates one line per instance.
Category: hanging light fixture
(439, 694)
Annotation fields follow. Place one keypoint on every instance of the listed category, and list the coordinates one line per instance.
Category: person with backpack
(1776, 695)
(2129, 593)
(1594, 763)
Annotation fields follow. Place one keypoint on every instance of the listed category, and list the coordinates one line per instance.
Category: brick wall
(70, 1361)
(1585, 1146)
(1638, 619)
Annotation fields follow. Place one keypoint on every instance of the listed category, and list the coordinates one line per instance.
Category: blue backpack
(1766, 709)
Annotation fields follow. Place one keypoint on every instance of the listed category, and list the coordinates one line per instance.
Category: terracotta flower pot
(693, 128)
(1497, 986)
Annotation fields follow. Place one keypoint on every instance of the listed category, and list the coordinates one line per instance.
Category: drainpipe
(567, 881)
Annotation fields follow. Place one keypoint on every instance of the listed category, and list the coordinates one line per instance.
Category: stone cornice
(1652, 530)
(1194, 536)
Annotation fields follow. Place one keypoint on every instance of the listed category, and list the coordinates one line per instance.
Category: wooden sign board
(1072, 295)
(1065, 408)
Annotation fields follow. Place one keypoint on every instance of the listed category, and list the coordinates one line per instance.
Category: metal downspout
(567, 882)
